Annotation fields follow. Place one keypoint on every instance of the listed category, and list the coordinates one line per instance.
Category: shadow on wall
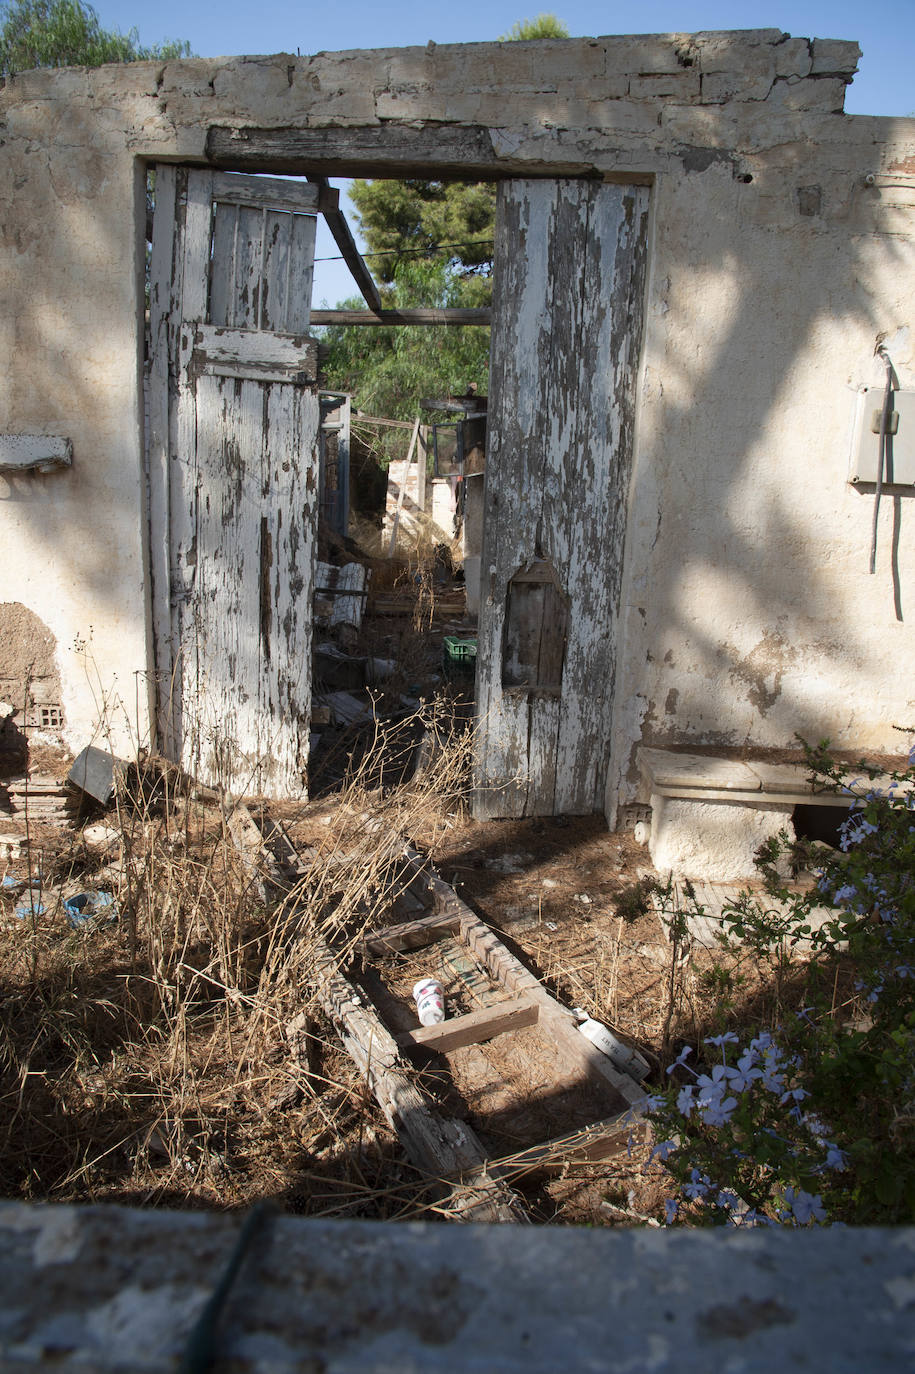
(743, 599)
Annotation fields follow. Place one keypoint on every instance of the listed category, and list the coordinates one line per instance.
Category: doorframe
(439, 151)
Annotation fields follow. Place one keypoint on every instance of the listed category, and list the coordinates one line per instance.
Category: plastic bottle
(602, 1038)
(430, 1001)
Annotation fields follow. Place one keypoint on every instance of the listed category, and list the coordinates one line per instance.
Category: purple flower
(805, 1206)
(685, 1101)
(717, 1113)
(671, 1208)
(680, 1061)
(662, 1150)
(793, 1095)
(728, 1038)
(698, 1185)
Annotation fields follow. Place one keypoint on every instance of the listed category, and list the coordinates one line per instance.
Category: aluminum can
(430, 1001)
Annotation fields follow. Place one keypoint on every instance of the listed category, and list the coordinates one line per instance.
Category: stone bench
(709, 815)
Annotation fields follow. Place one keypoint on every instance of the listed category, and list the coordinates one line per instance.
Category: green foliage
(64, 33)
(815, 1116)
(389, 370)
(544, 26)
(402, 221)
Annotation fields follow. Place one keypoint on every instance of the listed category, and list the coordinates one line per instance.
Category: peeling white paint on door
(233, 476)
(567, 319)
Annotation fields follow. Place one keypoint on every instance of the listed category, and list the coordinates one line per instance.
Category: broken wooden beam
(358, 419)
(336, 223)
(474, 1027)
(445, 315)
(425, 930)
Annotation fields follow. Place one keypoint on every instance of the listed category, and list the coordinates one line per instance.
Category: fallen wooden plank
(605, 1139)
(438, 1146)
(474, 1027)
(411, 934)
(336, 223)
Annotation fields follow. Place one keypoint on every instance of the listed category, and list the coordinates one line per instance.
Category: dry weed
(148, 1060)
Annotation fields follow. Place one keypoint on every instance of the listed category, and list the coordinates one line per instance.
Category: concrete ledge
(114, 1289)
(667, 774)
(709, 815)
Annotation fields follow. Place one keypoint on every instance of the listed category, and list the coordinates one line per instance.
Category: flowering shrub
(813, 1119)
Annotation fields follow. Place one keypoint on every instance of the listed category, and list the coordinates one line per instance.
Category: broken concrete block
(95, 771)
(712, 840)
(101, 836)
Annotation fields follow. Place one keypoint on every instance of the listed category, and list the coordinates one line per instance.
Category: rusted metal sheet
(233, 574)
(567, 325)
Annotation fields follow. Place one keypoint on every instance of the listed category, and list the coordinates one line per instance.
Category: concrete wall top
(615, 85)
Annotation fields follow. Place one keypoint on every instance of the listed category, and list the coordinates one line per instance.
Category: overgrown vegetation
(810, 1117)
(179, 1054)
(390, 370)
(69, 33)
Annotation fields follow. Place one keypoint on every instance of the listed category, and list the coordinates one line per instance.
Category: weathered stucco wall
(782, 249)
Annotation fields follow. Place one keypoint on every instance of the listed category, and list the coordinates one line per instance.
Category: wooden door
(567, 325)
(234, 419)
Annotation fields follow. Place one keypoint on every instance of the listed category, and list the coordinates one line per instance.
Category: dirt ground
(149, 1060)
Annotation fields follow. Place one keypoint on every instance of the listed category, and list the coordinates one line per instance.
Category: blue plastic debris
(32, 906)
(88, 906)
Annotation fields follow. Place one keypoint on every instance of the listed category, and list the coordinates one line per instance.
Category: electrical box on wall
(899, 465)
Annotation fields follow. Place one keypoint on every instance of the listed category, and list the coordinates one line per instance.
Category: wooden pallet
(441, 1146)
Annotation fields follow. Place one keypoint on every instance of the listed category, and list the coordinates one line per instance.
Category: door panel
(567, 321)
(233, 584)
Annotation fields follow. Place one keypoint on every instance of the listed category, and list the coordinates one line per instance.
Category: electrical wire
(881, 460)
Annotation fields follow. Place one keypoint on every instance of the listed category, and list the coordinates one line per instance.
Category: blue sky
(885, 29)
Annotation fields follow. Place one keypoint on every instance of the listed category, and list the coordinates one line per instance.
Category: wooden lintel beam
(459, 152)
(474, 1027)
(452, 315)
(336, 223)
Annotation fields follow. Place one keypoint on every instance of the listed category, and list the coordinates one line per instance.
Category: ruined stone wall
(781, 251)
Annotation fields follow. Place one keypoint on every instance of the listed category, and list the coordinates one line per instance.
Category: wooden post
(422, 466)
(403, 486)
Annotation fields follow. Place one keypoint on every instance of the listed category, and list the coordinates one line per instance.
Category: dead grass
(180, 1057)
(149, 1060)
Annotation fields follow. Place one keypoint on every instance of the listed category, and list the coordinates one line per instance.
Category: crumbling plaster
(747, 612)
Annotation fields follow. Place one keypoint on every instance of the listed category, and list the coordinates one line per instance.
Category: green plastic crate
(460, 653)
